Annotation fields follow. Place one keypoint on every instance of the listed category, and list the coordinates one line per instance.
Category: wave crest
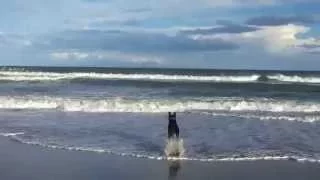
(29, 76)
(50, 76)
(295, 79)
(156, 106)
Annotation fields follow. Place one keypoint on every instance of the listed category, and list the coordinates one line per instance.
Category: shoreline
(12, 137)
(22, 161)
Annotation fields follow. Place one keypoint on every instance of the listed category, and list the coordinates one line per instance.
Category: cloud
(186, 3)
(229, 28)
(150, 32)
(310, 45)
(97, 1)
(103, 58)
(278, 39)
(115, 40)
(278, 21)
(110, 22)
(138, 10)
(116, 47)
(13, 40)
(106, 55)
(69, 55)
(273, 39)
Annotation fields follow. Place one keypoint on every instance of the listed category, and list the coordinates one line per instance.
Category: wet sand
(23, 162)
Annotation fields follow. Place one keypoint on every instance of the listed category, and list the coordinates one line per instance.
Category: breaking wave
(50, 76)
(11, 134)
(306, 118)
(295, 79)
(156, 106)
(29, 76)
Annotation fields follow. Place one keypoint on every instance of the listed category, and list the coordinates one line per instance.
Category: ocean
(223, 115)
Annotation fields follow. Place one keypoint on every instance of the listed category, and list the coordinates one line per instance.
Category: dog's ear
(174, 114)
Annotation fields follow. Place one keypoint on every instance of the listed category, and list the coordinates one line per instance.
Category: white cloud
(280, 38)
(106, 55)
(275, 39)
(69, 55)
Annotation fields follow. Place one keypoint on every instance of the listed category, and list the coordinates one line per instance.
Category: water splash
(174, 147)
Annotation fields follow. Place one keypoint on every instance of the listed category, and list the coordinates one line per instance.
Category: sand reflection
(174, 168)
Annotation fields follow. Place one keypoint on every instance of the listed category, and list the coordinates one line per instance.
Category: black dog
(173, 129)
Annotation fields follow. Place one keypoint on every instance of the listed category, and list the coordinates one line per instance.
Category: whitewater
(157, 106)
(24, 75)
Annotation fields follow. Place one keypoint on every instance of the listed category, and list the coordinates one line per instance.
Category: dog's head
(172, 115)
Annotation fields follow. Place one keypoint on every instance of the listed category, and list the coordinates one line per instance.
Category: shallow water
(206, 138)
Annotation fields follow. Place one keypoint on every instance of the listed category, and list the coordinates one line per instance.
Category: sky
(219, 34)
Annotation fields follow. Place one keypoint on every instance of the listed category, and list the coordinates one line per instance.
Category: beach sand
(22, 161)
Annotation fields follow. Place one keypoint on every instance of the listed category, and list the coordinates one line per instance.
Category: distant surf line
(28, 76)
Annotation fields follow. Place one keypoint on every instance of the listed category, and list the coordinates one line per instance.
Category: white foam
(159, 157)
(295, 78)
(155, 106)
(11, 134)
(22, 75)
(50, 76)
(308, 118)
(16, 75)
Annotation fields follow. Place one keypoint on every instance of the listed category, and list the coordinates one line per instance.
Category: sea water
(222, 114)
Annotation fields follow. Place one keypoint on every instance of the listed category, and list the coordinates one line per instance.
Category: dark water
(222, 113)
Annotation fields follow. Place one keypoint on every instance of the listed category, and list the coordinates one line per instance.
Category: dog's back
(173, 129)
